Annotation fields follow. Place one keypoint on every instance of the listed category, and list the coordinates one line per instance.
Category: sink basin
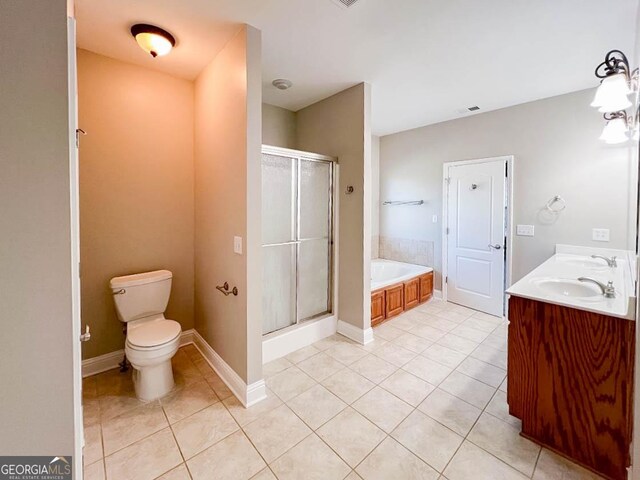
(582, 262)
(569, 288)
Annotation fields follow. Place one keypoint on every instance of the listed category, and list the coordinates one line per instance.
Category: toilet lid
(153, 334)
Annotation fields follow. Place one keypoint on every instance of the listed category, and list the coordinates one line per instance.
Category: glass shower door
(297, 239)
(279, 191)
(315, 237)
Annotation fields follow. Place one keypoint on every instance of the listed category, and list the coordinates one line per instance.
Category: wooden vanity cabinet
(394, 301)
(377, 307)
(570, 381)
(411, 293)
(426, 286)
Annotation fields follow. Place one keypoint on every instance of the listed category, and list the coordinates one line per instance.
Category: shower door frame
(297, 156)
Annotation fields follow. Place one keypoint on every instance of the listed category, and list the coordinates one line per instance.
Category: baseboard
(437, 294)
(359, 335)
(283, 342)
(247, 394)
(108, 361)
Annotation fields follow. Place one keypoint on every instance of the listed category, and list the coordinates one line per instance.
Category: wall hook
(349, 190)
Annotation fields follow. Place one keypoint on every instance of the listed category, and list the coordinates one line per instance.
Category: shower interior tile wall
(375, 246)
(418, 252)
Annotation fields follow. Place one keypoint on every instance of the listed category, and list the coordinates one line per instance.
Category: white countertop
(568, 264)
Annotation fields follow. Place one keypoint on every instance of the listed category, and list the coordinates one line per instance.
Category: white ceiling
(425, 59)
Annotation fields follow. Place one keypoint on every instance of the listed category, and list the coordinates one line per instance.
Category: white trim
(74, 211)
(437, 294)
(247, 394)
(359, 335)
(510, 161)
(108, 361)
(282, 342)
(289, 152)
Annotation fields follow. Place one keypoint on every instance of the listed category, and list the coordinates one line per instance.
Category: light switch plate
(434, 219)
(525, 230)
(237, 245)
(600, 234)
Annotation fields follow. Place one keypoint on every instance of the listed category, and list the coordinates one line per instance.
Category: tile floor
(425, 400)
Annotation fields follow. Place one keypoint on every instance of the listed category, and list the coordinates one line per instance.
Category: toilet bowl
(152, 339)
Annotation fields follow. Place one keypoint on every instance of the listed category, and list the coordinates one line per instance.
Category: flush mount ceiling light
(282, 83)
(617, 82)
(617, 128)
(153, 40)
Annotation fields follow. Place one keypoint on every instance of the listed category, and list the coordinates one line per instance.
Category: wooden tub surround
(392, 300)
(570, 381)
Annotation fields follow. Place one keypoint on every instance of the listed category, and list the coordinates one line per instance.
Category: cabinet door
(426, 286)
(394, 300)
(377, 307)
(411, 293)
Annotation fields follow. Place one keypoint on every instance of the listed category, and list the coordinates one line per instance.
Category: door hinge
(448, 180)
(447, 231)
(446, 279)
(79, 132)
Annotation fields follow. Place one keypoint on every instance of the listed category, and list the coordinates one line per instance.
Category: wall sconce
(617, 83)
(618, 126)
(153, 40)
(615, 131)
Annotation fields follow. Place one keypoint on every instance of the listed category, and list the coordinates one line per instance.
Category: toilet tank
(141, 295)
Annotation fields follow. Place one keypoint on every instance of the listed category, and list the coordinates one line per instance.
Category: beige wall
(557, 152)
(227, 193)
(136, 188)
(36, 367)
(278, 126)
(339, 126)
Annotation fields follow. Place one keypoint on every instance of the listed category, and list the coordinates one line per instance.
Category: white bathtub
(388, 272)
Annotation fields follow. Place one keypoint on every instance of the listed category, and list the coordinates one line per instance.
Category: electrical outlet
(237, 245)
(600, 234)
(525, 230)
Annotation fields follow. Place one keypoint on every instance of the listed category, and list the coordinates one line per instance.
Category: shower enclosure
(297, 237)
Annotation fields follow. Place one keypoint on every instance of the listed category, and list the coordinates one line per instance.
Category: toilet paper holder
(225, 289)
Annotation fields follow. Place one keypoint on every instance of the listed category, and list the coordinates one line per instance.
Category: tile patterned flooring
(425, 400)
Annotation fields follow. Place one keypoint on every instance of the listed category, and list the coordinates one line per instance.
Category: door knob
(496, 246)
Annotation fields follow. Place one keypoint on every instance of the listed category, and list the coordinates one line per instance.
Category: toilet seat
(153, 334)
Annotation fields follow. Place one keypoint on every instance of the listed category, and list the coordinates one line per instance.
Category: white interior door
(476, 220)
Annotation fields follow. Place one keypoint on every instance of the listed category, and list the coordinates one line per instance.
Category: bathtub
(389, 272)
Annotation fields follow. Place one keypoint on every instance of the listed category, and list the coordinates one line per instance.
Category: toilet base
(153, 382)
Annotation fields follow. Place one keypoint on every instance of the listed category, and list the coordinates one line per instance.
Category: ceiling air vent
(345, 3)
(474, 108)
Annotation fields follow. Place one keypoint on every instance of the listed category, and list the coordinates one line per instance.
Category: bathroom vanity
(571, 358)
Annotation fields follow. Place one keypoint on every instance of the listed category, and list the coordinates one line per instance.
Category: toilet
(152, 340)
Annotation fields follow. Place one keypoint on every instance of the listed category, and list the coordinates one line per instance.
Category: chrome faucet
(607, 290)
(610, 261)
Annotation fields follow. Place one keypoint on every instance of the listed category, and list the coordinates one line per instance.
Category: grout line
(535, 466)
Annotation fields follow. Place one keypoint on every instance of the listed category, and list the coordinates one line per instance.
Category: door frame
(509, 161)
(298, 156)
(74, 203)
